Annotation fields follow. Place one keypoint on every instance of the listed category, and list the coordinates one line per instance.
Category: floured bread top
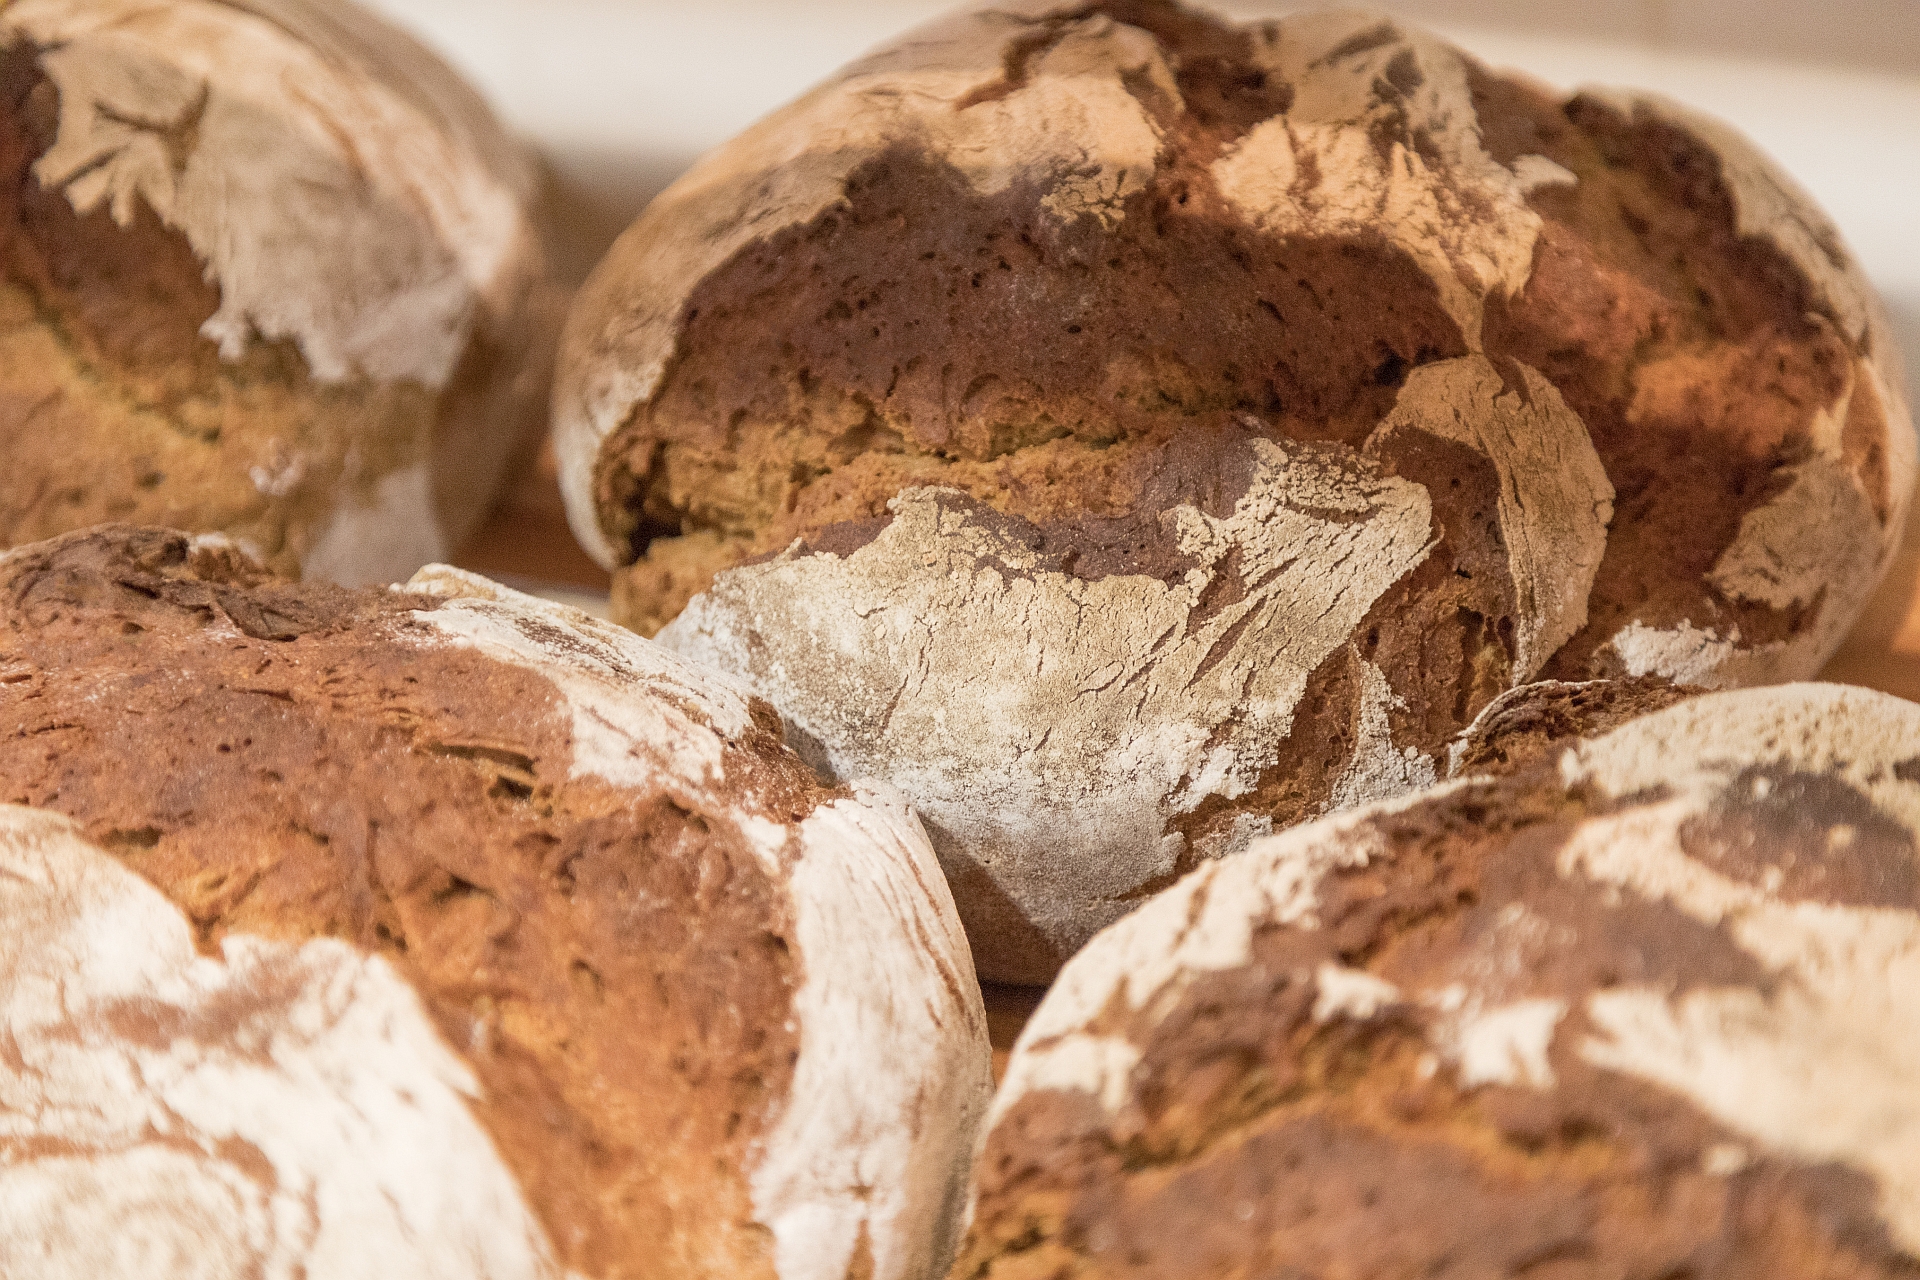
(693, 1009)
(1143, 367)
(1650, 1005)
(343, 188)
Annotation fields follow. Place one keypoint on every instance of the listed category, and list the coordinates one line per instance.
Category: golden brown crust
(293, 762)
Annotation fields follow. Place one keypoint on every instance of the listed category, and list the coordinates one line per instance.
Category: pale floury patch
(1853, 735)
(280, 1111)
(365, 220)
(1321, 169)
(1025, 711)
(1555, 500)
(1341, 992)
(386, 536)
(1821, 1069)
(1098, 1065)
(1686, 654)
(1072, 126)
(1503, 1044)
(1378, 768)
(894, 1075)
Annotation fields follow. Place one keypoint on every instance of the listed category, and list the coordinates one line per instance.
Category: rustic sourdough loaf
(1650, 1008)
(1129, 432)
(443, 932)
(267, 267)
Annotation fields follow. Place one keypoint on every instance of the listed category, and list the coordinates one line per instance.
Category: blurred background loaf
(271, 269)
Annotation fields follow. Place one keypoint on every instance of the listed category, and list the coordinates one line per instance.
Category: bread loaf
(443, 932)
(269, 268)
(1645, 1009)
(1130, 432)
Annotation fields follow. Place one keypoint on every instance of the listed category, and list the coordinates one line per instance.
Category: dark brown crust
(918, 333)
(113, 406)
(305, 761)
(1259, 1141)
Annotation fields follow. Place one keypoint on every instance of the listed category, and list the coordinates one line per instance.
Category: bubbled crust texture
(1525, 726)
(1646, 1009)
(1162, 430)
(267, 267)
(610, 886)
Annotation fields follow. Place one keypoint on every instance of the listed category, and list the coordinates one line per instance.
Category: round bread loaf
(269, 268)
(1129, 432)
(444, 932)
(1649, 1010)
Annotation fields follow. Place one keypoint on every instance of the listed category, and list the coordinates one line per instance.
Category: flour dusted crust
(1029, 710)
(1647, 1004)
(331, 321)
(518, 868)
(274, 1110)
(1130, 433)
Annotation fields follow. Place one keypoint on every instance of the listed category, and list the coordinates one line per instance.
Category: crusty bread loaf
(267, 267)
(444, 932)
(1128, 431)
(1650, 1008)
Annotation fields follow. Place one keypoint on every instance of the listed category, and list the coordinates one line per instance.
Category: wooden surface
(526, 543)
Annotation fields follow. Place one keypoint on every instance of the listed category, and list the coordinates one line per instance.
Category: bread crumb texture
(599, 979)
(270, 269)
(1129, 432)
(1645, 1008)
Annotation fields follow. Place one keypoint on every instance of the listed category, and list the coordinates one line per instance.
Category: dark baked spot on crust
(613, 963)
(949, 346)
(1807, 837)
